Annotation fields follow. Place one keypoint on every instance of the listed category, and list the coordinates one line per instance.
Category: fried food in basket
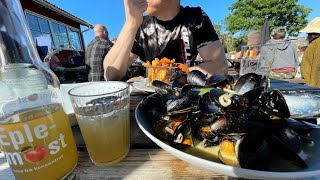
(163, 62)
(159, 69)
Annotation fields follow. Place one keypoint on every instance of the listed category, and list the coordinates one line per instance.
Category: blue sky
(111, 12)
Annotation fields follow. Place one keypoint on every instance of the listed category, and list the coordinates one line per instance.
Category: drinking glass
(102, 111)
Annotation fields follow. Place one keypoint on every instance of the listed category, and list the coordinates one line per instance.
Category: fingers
(143, 6)
(141, 1)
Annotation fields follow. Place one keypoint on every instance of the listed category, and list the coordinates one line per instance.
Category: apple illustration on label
(34, 154)
(32, 97)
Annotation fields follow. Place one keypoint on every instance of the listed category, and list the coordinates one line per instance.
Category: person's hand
(134, 11)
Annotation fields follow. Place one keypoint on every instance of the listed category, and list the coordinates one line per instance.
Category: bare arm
(119, 58)
(215, 61)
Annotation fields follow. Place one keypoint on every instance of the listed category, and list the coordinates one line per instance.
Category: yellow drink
(38, 143)
(107, 135)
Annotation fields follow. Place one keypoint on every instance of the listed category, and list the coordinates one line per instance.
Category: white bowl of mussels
(246, 132)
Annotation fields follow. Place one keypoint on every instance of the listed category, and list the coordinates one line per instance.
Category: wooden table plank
(139, 164)
(142, 164)
(5, 171)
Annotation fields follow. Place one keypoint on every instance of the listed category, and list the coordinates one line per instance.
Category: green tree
(218, 28)
(249, 15)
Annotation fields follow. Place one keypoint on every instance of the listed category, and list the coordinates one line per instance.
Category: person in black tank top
(169, 30)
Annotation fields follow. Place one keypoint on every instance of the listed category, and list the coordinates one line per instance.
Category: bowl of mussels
(240, 129)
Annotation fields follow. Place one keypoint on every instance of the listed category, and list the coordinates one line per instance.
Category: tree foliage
(218, 28)
(249, 15)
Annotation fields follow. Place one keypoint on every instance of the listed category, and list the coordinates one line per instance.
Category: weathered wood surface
(142, 164)
(139, 164)
(5, 172)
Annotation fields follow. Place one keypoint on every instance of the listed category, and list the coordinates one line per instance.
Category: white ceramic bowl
(312, 172)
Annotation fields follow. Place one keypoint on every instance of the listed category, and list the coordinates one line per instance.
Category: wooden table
(145, 159)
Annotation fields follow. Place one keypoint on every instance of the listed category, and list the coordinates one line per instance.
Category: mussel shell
(249, 82)
(196, 77)
(281, 148)
(154, 107)
(288, 138)
(163, 88)
(254, 152)
(216, 93)
(207, 106)
(274, 104)
(217, 80)
(227, 101)
(159, 128)
(182, 134)
(167, 98)
(244, 121)
(184, 101)
(188, 87)
(253, 95)
(179, 82)
(200, 130)
(177, 75)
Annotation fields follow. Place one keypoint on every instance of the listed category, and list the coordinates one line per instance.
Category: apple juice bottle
(35, 132)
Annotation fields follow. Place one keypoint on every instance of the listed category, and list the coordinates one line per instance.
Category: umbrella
(265, 31)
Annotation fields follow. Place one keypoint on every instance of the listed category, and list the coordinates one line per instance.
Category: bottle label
(41, 143)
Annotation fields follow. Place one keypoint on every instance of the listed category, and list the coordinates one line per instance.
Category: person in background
(310, 65)
(280, 55)
(224, 46)
(96, 51)
(169, 30)
(55, 64)
(254, 39)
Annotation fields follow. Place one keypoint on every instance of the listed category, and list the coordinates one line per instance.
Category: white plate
(312, 172)
(141, 85)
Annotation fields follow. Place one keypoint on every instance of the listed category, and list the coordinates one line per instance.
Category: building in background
(50, 24)
(52, 27)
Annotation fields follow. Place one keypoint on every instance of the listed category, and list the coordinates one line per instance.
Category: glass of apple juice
(102, 111)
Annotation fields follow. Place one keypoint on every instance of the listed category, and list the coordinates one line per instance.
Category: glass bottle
(35, 132)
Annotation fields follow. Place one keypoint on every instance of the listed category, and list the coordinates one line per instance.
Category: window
(58, 35)
(74, 39)
(40, 30)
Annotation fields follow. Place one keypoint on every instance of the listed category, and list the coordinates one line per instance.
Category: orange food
(183, 67)
(159, 69)
(156, 62)
(161, 74)
(187, 141)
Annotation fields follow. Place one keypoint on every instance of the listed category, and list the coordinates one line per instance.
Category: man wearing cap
(169, 30)
(310, 65)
